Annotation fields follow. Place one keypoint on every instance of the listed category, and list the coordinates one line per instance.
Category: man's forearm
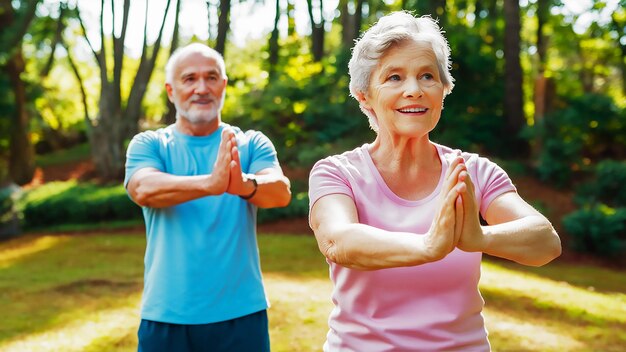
(159, 190)
(273, 191)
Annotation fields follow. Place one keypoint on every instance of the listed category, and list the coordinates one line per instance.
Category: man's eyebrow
(187, 74)
(212, 71)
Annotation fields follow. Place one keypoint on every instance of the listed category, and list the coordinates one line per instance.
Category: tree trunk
(170, 116)
(317, 31)
(21, 151)
(81, 86)
(273, 43)
(350, 23)
(543, 11)
(513, 97)
(291, 21)
(223, 25)
(544, 89)
(133, 110)
(114, 125)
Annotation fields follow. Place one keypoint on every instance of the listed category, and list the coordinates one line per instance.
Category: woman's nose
(412, 88)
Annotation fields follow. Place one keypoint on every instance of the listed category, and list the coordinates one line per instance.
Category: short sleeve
(326, 178)
(142, 152)
(262, 151)
(493, 181)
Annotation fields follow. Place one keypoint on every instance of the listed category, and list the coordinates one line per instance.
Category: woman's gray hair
(390, 30)
(193, 47)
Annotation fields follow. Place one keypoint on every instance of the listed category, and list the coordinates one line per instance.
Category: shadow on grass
(599, 333)
(54, 287)
(588, 277)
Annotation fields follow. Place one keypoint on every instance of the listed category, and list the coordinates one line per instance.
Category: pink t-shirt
(434, 306)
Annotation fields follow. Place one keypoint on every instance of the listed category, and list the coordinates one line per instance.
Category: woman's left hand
(472, 237)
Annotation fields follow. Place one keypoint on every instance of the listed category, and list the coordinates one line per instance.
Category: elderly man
(199, 183)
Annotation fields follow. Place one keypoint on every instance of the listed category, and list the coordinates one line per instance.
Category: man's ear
(170, 92)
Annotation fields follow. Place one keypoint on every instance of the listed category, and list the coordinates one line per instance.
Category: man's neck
(197, 129)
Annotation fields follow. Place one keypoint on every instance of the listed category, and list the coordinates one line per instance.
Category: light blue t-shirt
(202, 261)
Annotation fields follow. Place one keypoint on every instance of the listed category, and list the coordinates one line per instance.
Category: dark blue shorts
(247, 333)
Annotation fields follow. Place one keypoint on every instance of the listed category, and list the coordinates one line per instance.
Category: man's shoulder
(163, 132)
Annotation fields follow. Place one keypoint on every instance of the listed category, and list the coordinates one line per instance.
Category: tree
(618, 25)
(170, 115)
(273, 41)
(317, 30)
(117, 122)
(513, 96)
(223, 25)
(544, 89)
(350, 22)
(13, 26)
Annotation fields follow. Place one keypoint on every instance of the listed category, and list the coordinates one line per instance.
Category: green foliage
(587, 129)
(606, 186)
(68, 155)
(9, 213)
(305, 108)
(599, 227)
(599, 230)
(297, 208)
(7, 108)
(473, 114)
(77, 203)
(71, 204)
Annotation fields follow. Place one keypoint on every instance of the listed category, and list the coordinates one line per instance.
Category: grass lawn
(82, 293)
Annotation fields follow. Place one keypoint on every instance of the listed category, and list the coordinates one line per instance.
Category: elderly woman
(398, 218)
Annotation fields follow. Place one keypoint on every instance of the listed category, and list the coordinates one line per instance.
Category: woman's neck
(404, 154)
(402, 160)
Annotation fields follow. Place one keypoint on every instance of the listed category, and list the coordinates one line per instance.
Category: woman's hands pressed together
(447, 226)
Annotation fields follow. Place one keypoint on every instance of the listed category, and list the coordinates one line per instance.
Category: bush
(298, 207)
(606, 185)
(588, 129)
(9, 214)
(63, 203)
(70, 202)
(597, 230)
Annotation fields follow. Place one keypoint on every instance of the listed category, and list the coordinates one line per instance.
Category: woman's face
(406, 92)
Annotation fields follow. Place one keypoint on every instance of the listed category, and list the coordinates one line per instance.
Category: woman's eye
(427, 77)
(394, 78)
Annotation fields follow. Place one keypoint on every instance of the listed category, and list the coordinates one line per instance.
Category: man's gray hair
(390, 30)
(193, 47)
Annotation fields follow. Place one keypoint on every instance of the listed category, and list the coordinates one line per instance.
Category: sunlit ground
(82, 293)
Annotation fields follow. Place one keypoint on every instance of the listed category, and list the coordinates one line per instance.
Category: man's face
(197, 89)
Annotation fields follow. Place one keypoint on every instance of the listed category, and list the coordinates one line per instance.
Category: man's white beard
(196, 117)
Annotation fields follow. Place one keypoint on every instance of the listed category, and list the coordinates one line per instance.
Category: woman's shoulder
(355, 156)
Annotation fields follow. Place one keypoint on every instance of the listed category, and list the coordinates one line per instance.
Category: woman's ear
(362, 99)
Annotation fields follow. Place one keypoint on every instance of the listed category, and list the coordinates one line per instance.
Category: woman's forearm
(364, 247)
(530, 240)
